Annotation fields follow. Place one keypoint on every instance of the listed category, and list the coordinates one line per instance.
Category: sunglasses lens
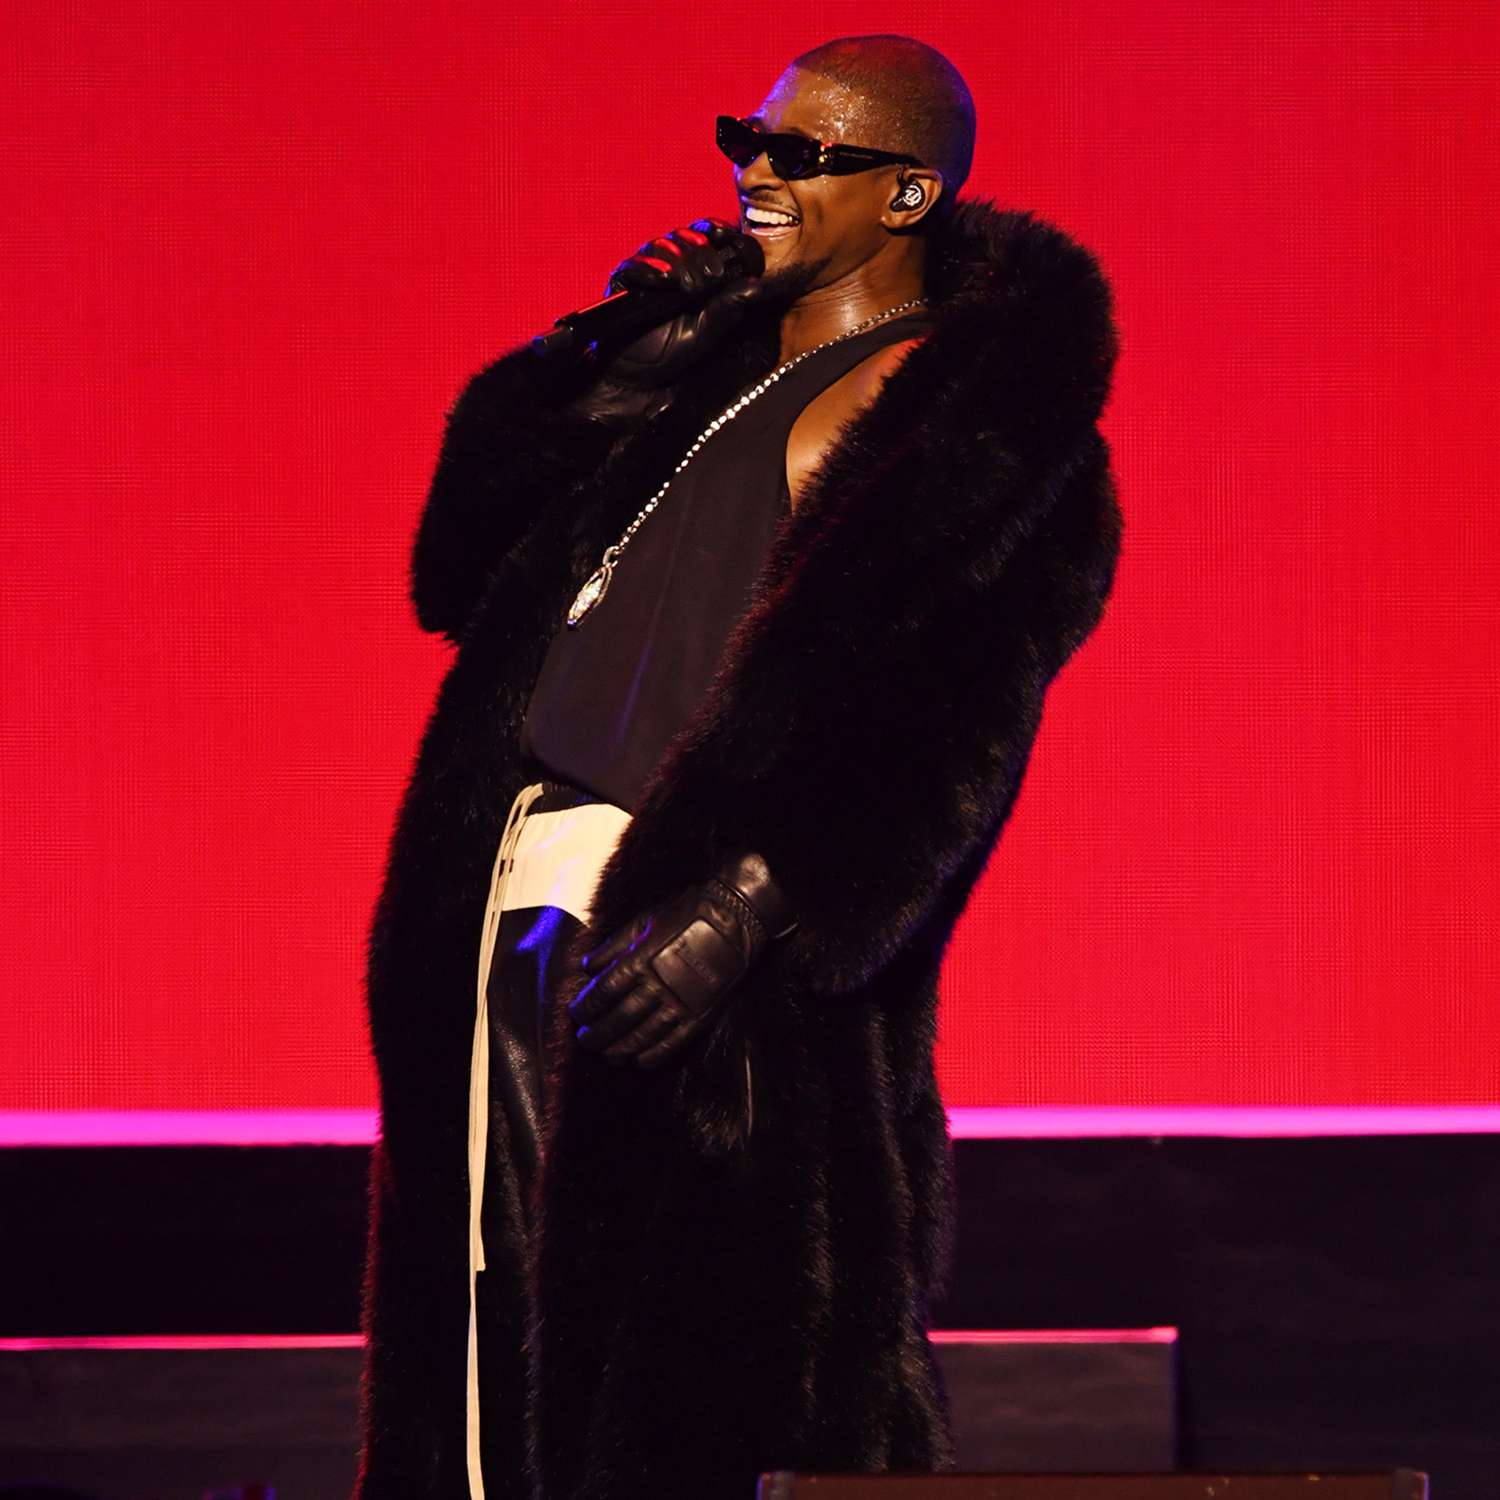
(792, 155)
(789, 155)
(741, 143)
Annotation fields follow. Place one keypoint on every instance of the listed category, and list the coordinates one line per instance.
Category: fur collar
(1008, 280)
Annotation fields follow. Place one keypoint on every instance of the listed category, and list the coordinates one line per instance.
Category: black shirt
(614, 690)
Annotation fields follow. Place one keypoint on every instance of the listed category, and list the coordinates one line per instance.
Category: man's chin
(782, 285)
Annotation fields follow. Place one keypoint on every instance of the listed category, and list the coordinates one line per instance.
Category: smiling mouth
(768, 223)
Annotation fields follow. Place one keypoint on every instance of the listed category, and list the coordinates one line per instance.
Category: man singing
(754, 619)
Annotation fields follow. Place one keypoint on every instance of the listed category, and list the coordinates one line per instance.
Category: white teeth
(768, 216)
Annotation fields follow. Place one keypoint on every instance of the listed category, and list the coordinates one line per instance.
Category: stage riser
(178, 1423)
(1397, 1485)
(1061, 1406)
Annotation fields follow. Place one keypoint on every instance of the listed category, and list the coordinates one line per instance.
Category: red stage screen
(252, 252)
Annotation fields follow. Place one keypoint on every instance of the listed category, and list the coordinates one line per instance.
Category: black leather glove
(632, 381)
(663, 978)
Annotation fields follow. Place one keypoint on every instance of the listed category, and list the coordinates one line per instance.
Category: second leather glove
(662, 979)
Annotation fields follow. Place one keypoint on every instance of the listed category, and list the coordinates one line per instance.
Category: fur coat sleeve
(991, 646)
(510, 446)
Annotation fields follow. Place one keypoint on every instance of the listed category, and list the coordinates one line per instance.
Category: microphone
(627, 314)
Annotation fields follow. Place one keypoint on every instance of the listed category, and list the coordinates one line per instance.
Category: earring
(910, 196)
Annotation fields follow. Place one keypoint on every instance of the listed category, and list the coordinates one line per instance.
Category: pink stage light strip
(166, 1127)
(1284, 1120)
(216, 1341)
(1053, 1336)
(358, 1127)
(180, 1341)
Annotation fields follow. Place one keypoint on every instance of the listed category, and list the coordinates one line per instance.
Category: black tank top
(613, 691)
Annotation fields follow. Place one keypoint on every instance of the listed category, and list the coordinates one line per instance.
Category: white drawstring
(479, 1109)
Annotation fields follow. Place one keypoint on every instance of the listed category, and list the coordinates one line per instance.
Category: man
(728, 1258)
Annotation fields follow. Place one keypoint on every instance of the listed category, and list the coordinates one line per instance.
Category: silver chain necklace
(593, 590)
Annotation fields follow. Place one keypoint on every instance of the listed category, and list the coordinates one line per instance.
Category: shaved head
(918, 98)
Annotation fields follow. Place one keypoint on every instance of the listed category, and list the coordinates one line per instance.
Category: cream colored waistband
(559, 855)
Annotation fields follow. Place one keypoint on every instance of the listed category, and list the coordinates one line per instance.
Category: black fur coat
(736, 1254)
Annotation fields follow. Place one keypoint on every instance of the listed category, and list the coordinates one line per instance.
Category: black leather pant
(544, 871)
(524, 985)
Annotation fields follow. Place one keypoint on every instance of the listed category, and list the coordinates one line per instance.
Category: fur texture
(735, 1256)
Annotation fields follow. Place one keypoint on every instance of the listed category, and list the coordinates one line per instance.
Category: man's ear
(916, 191)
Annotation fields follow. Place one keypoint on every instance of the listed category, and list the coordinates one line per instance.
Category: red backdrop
(252, 253)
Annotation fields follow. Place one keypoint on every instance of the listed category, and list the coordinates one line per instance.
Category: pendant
(590, 594)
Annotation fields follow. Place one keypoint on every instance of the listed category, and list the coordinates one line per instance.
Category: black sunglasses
(798, 155)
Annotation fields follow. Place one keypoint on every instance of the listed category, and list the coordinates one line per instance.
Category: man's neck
(828, 311)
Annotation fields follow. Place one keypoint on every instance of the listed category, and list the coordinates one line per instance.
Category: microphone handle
(627, 314)
(622, 315)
